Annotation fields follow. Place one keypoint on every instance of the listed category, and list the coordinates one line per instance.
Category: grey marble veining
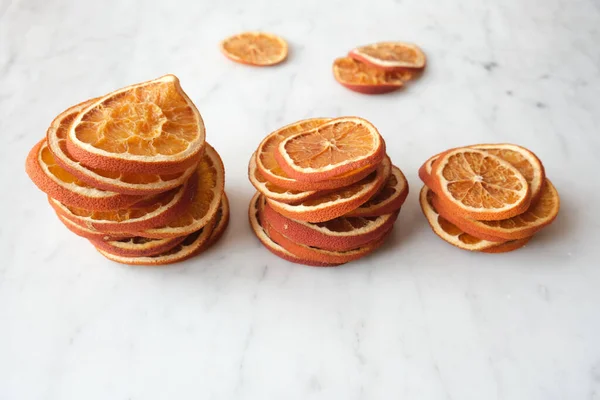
(418, 319)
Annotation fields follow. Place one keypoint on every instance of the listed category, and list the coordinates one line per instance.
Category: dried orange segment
(528, 164)
(480, 185)
(210, 181)
(388, 200)
(448, 231)
(337, 147)
(539, 215)
(255, 48)
(339, 234)
(336, 203)
(363, 78)
(56, 182)
(390, 56)
(137, 246)
(152, 127)
(153, 211)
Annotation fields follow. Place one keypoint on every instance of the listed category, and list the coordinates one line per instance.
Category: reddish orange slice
(119, 182)
(339, 234)
(137, 246)
(479, 185)
(255, 48)
(337, 203)
(49, 177)
(390, 56)
(388, 200)
(337, 147)
(151, 127)
(362, 78)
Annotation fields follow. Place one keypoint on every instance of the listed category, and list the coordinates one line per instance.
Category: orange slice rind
(363, 78)
(137, 246)
(334, 148)
(390, 56)
(90, 234)
(151, 127)
(255, 48)
(509, 246)
(389, 199)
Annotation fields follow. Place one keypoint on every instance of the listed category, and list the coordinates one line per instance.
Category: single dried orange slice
(363, 78)
(338, 234)
(388, 200)
(255, 48)
(56, 182)
(152, 127)
(539, 215)
(448, 231)
(209, 186)
(508, 246)
(90, 234)
(154, 211)
(480, 185)
(390, 56)
(119, 182)
(337, 147)
(257, 225)
(137, 246)
(336, 203)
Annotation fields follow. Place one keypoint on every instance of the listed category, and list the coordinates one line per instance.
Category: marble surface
(418, 320)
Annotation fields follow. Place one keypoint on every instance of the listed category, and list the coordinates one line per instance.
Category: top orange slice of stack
(151, 127)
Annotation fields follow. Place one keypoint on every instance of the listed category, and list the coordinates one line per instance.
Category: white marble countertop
(417, 320)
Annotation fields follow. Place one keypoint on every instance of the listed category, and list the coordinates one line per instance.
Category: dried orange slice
(255, 48)
(90, 234)
(388, 200)
(448, 231)
(528, 164)
(539, 215)
(154, 211)
(508, 246)
(151, 127)
(362, 78)
(390, 56)
(480, 185)
(337, 147)
(338, 234)
(337, 203)
(120, 182)
(137, 246)
(61, 185)
(256, 223)
(209, 186)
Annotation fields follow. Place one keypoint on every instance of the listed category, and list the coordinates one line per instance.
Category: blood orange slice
(390, 56)
(446, 230)
(337, 147)
(388, 200)
(61, 185)
(338, 203)
(256, 223)
(255, 48)
(137, 246)
(362, 78)
(480, 185)
(151, 127)
(339, 234)
(120, 182)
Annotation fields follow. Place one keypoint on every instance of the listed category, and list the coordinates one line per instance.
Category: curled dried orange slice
(56, 182)
(362, 78)
(388, 200)
(446, 230)
(137, 246)
(338, 234)
(480, 185)
(119, 182)
(539, 215)
(154, 211)
(255, 48)
(337, 147)
(152, 127)
(390, 56)
(257, 225)
(337, 203)
(209, 186)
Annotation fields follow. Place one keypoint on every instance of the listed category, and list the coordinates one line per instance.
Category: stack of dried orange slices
(131, 172)
(488, 197)
(380, 67)
(327, 193)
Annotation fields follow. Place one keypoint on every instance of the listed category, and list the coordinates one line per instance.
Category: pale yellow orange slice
(255, 48)
(390, 56)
